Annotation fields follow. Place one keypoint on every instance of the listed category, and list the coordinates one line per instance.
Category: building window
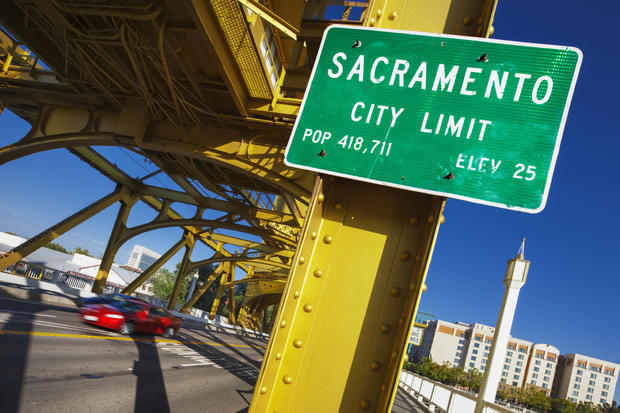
(506, 366)
(509, 353)
(537, 362)
(486, 354)
(604, 393)
(581, 364)
(517, 370)
(580, 372)
(511, 346)
(576, 393)
(502, 387)
(473, 358)
(484, 361)
(603, 401)
(488, 340)
(461, 341)
(590, 390)
(459, 348)
(539, 356)
(607, 379)
(519, 363)
(545, 385)
(504, 374)
(456, 361)
(578, 379)
(592, 376)
(605, 386)
(516, 377)
(548, 372)
(536, 369)
(535, 375)
(515, 383)
(521, 356)
(576, 386)
(588, 397)
(471, 364)
(482, 368)
(476, 345)
(269, 51)
(487, 348)
(572, 399)
(546, 378)
(550, 358)
(508, 360)
(549, 365)
(592, 383)
(598, 369)
(458, 354)
(474, 351)
(532, 381)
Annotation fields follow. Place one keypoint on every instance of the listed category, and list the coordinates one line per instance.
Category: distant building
(468, 345)
(78, 265)
(583, 378)
(142, 257)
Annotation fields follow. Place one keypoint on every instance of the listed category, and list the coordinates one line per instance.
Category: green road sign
(474, 119)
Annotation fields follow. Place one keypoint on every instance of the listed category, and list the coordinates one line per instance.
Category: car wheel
(127, 328)
(169, 332)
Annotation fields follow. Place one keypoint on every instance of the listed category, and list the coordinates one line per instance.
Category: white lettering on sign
(455, 127)
(402, 73)
(360, 107)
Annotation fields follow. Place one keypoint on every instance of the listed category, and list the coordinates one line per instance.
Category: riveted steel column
(189, 247)
(339, 337)
(113, 246)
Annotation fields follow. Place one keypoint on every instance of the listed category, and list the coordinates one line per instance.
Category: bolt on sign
(474, 119)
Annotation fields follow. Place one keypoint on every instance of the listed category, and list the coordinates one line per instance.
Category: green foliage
(80, 250)
(163, 284)
(56, 247)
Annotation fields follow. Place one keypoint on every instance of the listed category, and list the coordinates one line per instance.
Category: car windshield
(128, 306)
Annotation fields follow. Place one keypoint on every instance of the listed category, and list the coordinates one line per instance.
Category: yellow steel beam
(113, 245)
(356, 280)
(198, 292)
(189, 247)
(365, 262)
(50, 234)
(271, 17)
(146, 274)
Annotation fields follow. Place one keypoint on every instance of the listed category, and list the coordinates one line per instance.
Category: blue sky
(570, 299)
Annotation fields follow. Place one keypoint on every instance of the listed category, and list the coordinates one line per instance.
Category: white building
(142, 257)
(587, 379)
(468, 345)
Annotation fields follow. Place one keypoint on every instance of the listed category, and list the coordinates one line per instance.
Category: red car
(127, 317)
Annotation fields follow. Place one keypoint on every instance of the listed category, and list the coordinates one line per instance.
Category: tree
(80, 250)
(56, 247)
(163, 283)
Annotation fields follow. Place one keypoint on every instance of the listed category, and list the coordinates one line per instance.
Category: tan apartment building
(541, 368)
(468, 345)
(587, 379)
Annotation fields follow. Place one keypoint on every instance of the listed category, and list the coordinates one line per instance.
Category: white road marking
(24, 312)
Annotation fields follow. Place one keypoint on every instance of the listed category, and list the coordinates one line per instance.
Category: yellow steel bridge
(208, 91)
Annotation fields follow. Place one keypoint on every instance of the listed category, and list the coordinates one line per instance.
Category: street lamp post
(516, 274)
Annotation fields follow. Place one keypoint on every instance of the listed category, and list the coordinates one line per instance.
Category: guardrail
(70, 279)
(436, 397)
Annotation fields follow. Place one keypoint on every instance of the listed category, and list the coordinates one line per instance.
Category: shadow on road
(246, 371)
(151, 393)
(14, 349)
